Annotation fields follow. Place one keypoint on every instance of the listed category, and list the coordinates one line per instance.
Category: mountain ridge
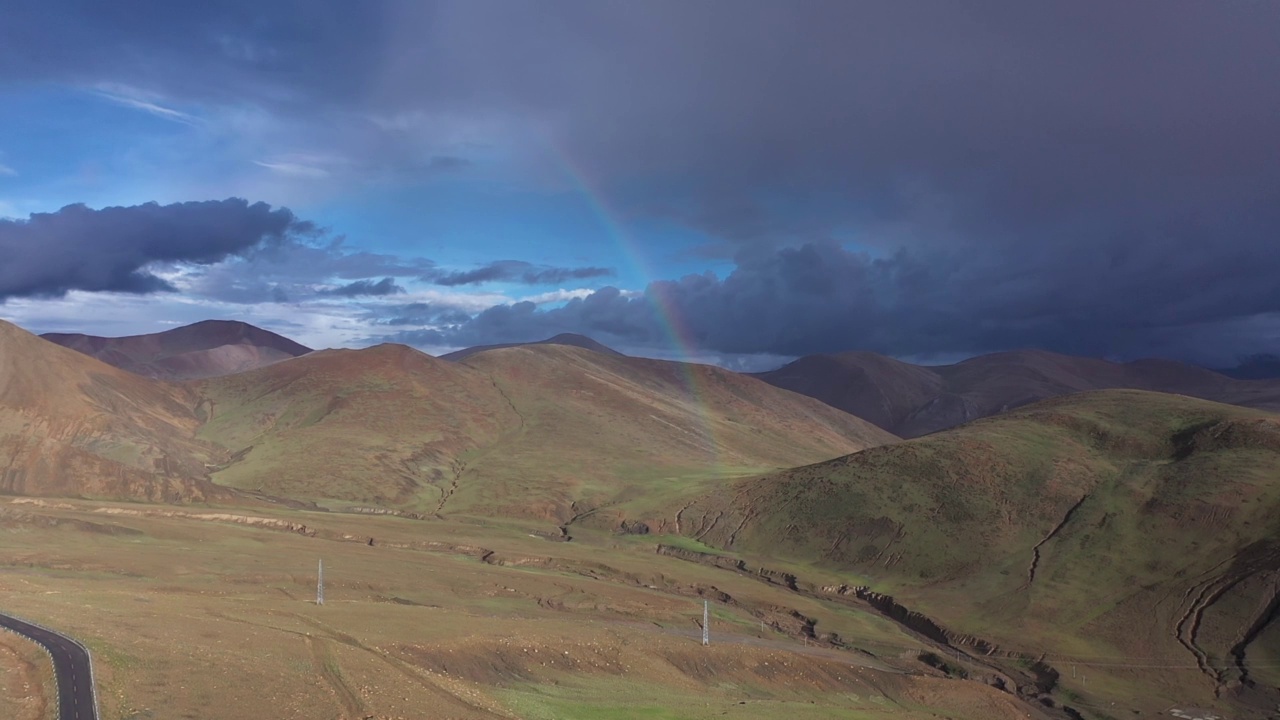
(204, 349)
(570, 339)
(914, 400)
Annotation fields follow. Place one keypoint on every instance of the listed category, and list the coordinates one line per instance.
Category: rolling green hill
(383, 426)
(545, 431)
(1121, 524)
(602, 429)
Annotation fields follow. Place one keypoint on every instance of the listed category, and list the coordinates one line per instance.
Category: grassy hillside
(601, 429)
(70, 425)
(199, 614)
(546, 431)
(384, 426)
(1120, 524)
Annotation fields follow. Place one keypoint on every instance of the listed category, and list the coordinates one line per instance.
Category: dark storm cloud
(1084, 175)
(290, 270)
(366, 288)
(418, 313)
(78, 248)
(516, 271)
(823, 298)
(606, 314)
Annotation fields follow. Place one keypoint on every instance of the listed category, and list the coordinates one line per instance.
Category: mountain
(1255, 367)
(601, 429)
(204, 349)
(1119, 524)
(71, 425)
(569, 339)
(912, 400)
(385, 425)
(544, 430)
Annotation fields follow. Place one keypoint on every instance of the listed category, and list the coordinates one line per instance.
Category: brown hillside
(205, 349)
(386, 425)
(912, 400)
(547, 431)
(600, 429)
(71, 425)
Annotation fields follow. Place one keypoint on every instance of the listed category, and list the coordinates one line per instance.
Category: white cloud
(555, 296)
(144, 100)
(458, 300)
(6, 170)
(316, 325)
(294, 169)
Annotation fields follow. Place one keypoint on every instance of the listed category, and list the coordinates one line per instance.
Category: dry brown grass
(27, 686)
(212, 617)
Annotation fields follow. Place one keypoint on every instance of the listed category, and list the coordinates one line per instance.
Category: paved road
(70, 663)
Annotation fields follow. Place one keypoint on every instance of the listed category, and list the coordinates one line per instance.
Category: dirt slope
(1121, 524)
(71, 425)
(911, 400)
(204, 349)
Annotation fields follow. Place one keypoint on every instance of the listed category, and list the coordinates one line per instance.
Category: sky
(732, 181)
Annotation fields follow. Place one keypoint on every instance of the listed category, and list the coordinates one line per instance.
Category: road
(70, 664)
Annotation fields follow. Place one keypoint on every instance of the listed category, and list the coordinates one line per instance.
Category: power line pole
(320, 584)
(706, 630)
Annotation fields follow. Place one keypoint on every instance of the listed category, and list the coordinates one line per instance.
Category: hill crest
(204, 349)
(915, 400)
(566, 339)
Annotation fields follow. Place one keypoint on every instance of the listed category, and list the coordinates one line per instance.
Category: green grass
(584, 700)
(1168, 488)
(210, 618)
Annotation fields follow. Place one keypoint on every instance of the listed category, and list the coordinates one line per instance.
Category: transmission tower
(706, 630)
(320, 584)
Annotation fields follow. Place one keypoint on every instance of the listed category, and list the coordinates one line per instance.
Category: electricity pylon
(706, 630)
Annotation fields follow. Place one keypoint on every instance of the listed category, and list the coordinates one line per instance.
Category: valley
(524, 531)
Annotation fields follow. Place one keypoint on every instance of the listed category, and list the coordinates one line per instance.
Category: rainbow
(670, 319)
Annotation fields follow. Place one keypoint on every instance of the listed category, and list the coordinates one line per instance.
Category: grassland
(1114, 551)
(1127, 531)
(208, 613)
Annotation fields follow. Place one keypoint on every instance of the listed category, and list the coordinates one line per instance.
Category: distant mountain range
(1255, 367)
(913, 400)
(525, 431)
(904, 399)
(569, 339)
(205, 349)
